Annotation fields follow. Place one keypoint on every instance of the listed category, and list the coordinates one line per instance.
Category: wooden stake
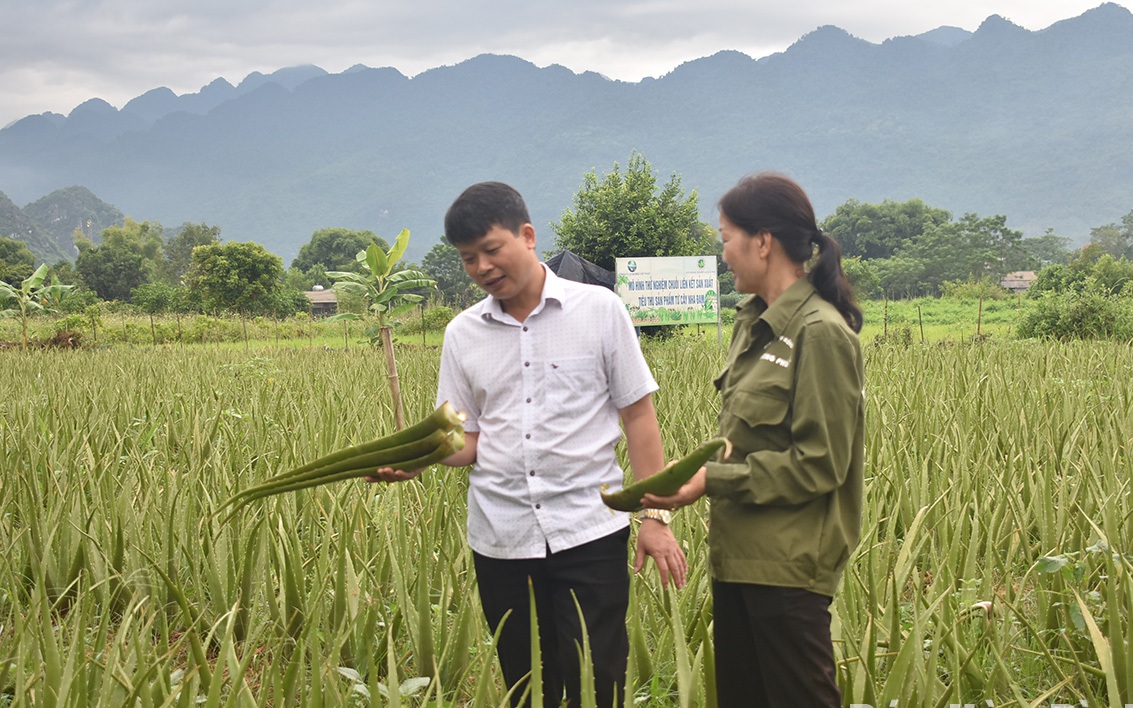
(391, 370)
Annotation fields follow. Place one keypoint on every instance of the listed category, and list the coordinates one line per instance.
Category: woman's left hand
(690, 492)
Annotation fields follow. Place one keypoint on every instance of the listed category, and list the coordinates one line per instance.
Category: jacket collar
(780, 312)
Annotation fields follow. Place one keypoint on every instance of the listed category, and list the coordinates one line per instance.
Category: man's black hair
(482, 206)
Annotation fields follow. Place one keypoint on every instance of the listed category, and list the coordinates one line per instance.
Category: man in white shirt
(545, 368)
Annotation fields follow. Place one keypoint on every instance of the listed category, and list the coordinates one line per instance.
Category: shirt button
(538, 506)
(527, 363)
(529, 400)
(528, 436)
(532, 473)
(525, 328)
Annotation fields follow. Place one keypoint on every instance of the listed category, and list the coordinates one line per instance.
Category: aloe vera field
(996, 563)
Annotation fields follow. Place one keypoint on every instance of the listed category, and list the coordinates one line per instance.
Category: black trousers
(773, 647)
(597, 573)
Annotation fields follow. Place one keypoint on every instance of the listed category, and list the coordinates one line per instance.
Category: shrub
(435, 319)
(973, 289)
(730, 300)
(1078, 315)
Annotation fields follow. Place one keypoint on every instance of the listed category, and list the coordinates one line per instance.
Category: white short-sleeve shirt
(544, 396)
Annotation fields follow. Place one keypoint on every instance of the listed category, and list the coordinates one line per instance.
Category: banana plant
(388, 293)
(32, 296)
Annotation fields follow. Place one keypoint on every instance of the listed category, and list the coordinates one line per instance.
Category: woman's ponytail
(828, 278)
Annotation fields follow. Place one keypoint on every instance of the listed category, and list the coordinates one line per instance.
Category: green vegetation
(31, 297)
(16, 261)
(624, 215)
(442, 263)
(995, 561)
(333, 249)
(906, 249)
(387, 290)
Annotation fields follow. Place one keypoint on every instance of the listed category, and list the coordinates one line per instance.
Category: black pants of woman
(773, 647)
(596, 574)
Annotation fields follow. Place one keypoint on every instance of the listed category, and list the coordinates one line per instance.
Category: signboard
(665, 291)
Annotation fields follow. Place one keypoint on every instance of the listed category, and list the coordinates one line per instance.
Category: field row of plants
(134, 330)
(995, 562)
(925, 319)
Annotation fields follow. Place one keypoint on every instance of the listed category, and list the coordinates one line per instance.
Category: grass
(995, 561)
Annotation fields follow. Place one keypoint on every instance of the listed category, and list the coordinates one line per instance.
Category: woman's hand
(690, 492)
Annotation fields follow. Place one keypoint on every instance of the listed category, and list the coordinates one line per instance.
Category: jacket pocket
(756, 421)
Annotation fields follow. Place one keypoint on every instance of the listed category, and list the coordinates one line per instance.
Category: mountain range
(1034, 125)
(48, 224)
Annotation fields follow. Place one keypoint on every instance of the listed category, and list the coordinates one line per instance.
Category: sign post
(667, 291)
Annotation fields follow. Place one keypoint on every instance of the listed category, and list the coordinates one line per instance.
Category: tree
(1115, 239)
(179, 249)
(1094, 271)
(31, 296)
(899, 276)
(969, 248)
(154, 298)
(388, 293)
(146, 238)
(129, 255)
(237, 277)
(1045, 250)
(880, 230)
(863, 277)
(65, 271)
(624, 215)
(17, 262)
(334, 249)
(111, 271)
(442, 264)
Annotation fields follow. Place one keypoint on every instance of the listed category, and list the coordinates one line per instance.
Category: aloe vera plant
(427, 442)
(666, 482)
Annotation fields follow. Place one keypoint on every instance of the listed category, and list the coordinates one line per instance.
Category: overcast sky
(55, 54)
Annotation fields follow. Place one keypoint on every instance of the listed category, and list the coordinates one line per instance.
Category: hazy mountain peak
(288, 77)
(152, 104)
(94, 106)
(1109, 11)
(825, 43)
(830, 34)
(947, 35)
(218, 84)
(1109, 21)
(722, 62)
(997, 25)
(496, 62)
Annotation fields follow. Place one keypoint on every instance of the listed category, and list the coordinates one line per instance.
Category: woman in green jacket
(786, 505)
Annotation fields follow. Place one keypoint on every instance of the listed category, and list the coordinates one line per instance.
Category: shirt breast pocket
(570, 384)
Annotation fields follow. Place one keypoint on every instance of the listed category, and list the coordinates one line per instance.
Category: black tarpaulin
(574, 267)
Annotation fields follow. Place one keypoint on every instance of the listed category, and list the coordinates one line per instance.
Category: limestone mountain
(17, 225)
(1036, 125)
(66, 210)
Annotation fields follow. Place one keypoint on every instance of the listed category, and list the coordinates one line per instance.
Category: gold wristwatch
(662, 515)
